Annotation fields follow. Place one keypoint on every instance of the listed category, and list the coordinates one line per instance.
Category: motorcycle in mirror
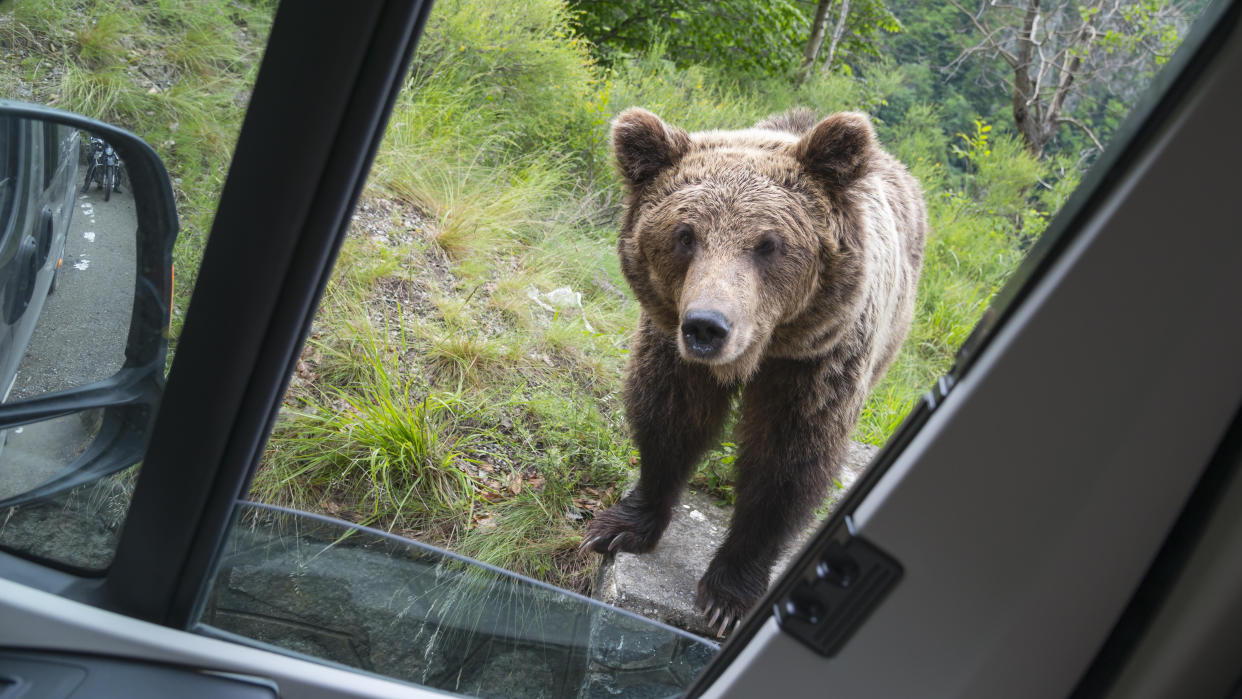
(103, 167)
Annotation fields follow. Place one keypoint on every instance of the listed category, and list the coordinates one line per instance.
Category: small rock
(660, 585)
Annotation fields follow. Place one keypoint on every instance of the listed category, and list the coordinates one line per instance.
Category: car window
(394, 607)
(463, 382)
(463, 385)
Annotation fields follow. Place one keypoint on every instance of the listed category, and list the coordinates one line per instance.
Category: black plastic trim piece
(833, 598)
(315, 120)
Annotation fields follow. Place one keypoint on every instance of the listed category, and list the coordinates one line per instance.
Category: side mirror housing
(87, 227)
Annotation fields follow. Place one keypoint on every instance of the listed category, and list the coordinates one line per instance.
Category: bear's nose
(705, 332)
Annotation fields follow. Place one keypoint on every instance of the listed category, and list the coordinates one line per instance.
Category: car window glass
(178, 76)
(394, 607)
(463, 384)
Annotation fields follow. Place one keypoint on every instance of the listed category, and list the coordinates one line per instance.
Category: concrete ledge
(660, 585)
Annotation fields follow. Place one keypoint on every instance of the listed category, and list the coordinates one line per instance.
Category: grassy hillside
(177, 74)
(452, 389)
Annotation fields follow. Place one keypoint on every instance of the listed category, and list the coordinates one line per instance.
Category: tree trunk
(1025, 102)
(837, 33)
(816, 42)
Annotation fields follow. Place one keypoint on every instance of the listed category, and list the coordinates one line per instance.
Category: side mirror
(87, 225)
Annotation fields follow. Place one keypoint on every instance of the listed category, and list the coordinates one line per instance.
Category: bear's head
(732, 238)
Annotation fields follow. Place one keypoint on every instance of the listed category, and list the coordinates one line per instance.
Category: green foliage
(699, 97)
(737, 36)
(516, 69)
(715, 475)
(1000, 172)
(747, 39)
(1090, 53)
(381, 445)
(917, 138)
(1144, 26)
(865, 29)
(176, 74)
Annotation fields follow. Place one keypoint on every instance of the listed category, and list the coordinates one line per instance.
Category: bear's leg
(675, 409)
(795, 422)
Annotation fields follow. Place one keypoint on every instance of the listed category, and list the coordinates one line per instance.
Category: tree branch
(1009, 58)
(819, 26)
(836, 35)
(1084, 128)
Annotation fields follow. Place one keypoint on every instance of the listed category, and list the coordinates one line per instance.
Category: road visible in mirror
(80, 335)
(35, 454)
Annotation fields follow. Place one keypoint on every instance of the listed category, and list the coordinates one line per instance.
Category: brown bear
(780, 262)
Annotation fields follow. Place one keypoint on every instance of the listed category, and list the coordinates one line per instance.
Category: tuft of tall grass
(385, 449)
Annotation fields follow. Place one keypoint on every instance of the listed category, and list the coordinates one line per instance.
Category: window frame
(315, 122)
(313, 126)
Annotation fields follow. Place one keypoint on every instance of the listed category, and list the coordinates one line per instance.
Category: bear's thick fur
(779, 262)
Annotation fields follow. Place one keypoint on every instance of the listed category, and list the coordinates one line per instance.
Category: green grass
(176, 74)
(382, 446)
(436, 398)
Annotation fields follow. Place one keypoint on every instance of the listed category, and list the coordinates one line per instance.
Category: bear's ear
(645, 146)
(838, 149)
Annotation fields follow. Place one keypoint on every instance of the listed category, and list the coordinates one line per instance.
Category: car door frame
(301, 161)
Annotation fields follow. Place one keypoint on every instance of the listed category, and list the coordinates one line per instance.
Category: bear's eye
(685, 237)
(766, 247)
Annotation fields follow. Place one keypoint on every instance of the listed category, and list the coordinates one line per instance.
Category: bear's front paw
(726, 593)
(627, 526)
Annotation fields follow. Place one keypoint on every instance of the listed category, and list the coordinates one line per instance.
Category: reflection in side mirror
(87, 224)
(71, 327)
(34, 454)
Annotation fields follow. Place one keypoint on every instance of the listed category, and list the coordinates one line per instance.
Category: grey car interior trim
(1035, 497)
(57, 675)
(1194, 643)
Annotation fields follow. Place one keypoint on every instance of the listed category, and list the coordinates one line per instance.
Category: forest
(461, 382)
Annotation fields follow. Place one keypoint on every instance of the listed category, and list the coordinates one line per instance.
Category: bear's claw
(719, 621)
(615, 542)
(624, 527)
(724, 597)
